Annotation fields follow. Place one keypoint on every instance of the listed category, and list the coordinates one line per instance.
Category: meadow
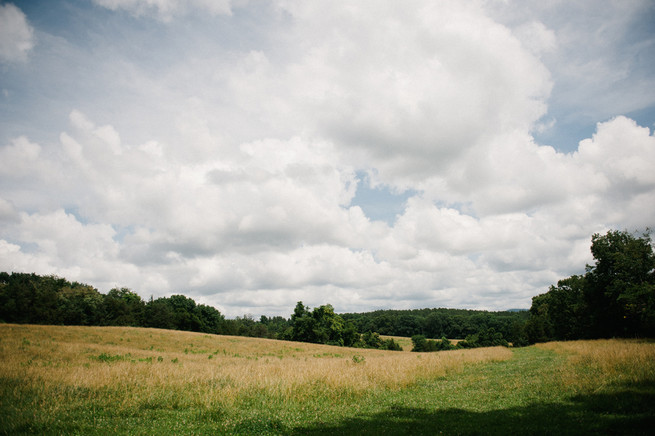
(100, 380)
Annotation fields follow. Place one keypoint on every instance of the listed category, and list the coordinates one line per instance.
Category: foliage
(323, 326)
(485, 338)
(438, 323)
(620, 290)
(29, 298)
(615, 297)
(32, 299)
(422, 344)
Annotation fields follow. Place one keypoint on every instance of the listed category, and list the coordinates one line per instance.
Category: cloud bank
(229, 170)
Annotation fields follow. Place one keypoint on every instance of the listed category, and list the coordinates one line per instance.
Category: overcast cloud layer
(382, 154)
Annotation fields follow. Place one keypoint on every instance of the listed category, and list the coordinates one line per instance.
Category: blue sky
(373, 154)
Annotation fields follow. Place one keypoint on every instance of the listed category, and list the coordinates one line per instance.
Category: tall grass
(596, 365)
(100, 380)
(216, 365)
(133, 369)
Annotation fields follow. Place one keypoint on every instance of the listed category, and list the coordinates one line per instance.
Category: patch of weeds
(106, 357)
(192, 351)
(160, 359)
(358, 359)
(335, 355)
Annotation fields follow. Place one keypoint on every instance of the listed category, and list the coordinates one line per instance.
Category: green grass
(521, 396)
(539, 390)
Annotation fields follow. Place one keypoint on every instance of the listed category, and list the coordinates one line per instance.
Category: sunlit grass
(406, 343)
(148, 369)
(601, 364)
(102, 380)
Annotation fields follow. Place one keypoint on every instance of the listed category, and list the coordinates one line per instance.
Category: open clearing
(100, 380)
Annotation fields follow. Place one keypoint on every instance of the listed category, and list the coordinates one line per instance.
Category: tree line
(614, 298)
(439, 323)
(33, 299)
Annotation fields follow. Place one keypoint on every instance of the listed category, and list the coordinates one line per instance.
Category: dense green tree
(275, 326)
(328, 326)
(620, 289)
(351, 338)
(371, 340)
(29, 298)
(518, 335)
(615, 297)
(435, 323)
(391, 345)
(159, 314)
(211, 320)
(302, 324)
(560, 313)
(445, 344)
(81, 305)
(484, 338)
(124, 307)
(419, 343)
(321, 326)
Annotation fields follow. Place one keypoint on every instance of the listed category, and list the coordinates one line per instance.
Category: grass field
(406, 343)
(102, 380)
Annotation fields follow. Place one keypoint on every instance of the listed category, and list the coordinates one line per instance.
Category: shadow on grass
(630, 411)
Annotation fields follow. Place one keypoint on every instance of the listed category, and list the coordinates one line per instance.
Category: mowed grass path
(92, 380)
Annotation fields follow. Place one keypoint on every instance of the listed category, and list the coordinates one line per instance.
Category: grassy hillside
(99, 380)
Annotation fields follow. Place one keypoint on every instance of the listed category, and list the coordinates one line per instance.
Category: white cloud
(600, 56)
(166, 10)
(406, 90)
(229, 172)
(536, 37)
(624, 152)
(276, 221)
(16, 34)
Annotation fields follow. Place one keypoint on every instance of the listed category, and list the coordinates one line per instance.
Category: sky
(366, 154)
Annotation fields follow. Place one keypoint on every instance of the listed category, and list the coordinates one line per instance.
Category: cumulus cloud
(16, 34)
(405, 99)
(277, 221)
(601, 57)
(231, 175)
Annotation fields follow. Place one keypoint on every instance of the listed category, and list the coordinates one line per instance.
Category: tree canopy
(614, 298)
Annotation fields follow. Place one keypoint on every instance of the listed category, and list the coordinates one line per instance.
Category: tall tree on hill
(620, 287)
(124, 307)
(616, 296)
(561, 313)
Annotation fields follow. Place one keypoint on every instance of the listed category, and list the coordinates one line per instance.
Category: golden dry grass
(406, 343)
(146, 366)
(596, 364)
(110, 380)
